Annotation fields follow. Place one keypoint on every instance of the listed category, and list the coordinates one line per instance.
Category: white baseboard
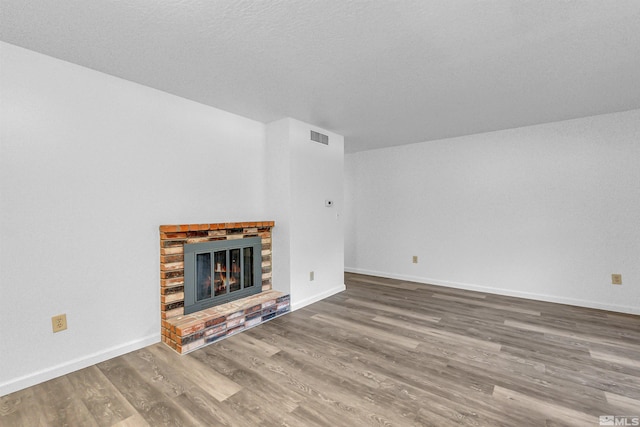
(500, 291)
(47, 374)
(295, 305)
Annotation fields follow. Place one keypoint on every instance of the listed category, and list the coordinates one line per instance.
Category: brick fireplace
(188, 332)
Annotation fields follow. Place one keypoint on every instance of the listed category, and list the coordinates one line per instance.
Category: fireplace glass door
(203, 276)
(221, 271)
(248, 267)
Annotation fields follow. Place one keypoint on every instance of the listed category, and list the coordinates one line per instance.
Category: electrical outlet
(59, 322)
(616, 279)
(415, 259)
(311, 276)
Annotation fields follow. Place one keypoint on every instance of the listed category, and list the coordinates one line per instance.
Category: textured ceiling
(378, 72)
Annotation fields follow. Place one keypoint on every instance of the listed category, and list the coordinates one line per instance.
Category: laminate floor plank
(484, 303)
(440, 334)
(136, 420)
(219, 386)
(599, 379)
(528, 341)
(317, 414)
(611, 340)
(580, 362)
(164, 379)
(383, 353)
(154, 406)
(254, 346)
(546, 409)
(248, 410)
(252, 379)
(206, 410)
(603, 331)
(617, 358)
(368, 330)
(101, 398)
(387, 309)
(21, 409)
(623, 403)
(61, 404)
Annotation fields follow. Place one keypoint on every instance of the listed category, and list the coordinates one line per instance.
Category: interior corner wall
(90, 166)
(302, 176)
(546, 212)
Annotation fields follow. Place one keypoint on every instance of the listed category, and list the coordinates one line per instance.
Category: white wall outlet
(311, 276)
(415, 259)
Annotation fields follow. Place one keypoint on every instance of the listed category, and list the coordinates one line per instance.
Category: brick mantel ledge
(218, 226)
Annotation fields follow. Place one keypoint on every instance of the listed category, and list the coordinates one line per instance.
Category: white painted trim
(499, 291)
(43, 375)
(326, 294)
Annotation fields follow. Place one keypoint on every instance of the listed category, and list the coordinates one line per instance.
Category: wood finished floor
(383, 353)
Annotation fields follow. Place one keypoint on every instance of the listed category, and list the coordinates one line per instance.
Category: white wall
(278, 201)
(317, 244)
(90, 166)
(303, 174)
(546, 212)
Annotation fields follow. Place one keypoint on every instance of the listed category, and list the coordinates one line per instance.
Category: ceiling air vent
(318, 137)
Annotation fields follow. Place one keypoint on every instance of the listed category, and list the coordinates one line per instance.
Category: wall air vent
(318, 137)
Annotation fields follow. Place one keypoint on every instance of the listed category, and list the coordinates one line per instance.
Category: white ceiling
(378, 72)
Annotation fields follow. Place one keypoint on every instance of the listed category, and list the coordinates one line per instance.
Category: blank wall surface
(90, 166)
(303, 175)
(548, 211)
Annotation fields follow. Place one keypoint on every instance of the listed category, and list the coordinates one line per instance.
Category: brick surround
(185, 333)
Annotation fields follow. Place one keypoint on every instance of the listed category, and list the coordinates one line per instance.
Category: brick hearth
(185, 333)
